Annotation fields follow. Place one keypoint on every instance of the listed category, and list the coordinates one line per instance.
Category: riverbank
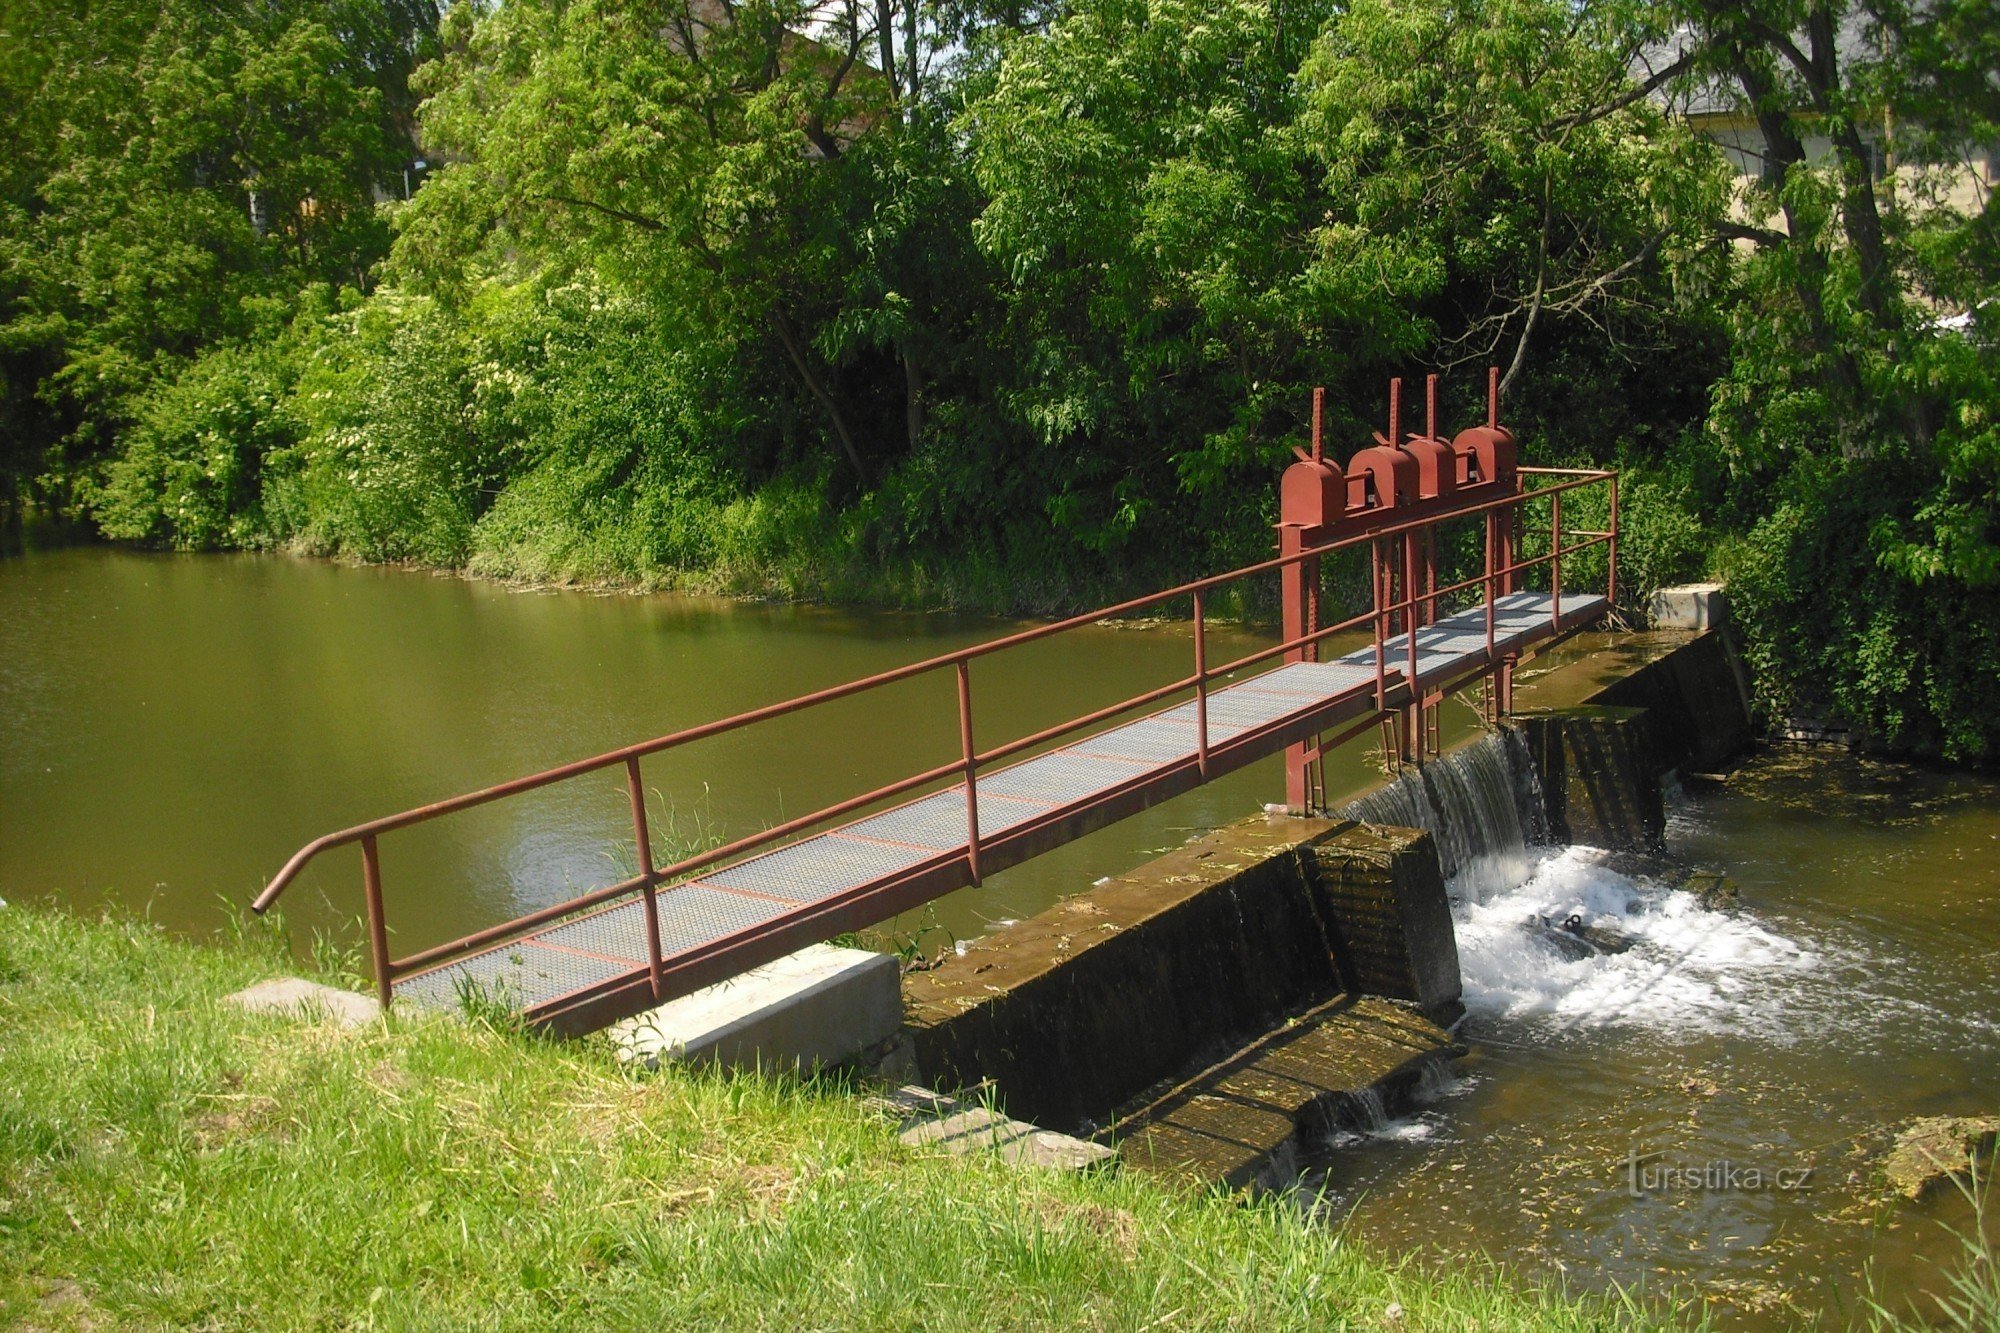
(165, 1159)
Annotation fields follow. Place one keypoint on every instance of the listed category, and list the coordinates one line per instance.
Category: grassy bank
(166, 1160)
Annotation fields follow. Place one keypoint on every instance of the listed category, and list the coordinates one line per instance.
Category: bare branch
(1534, 302)
(1739, 231)
(1633, 94)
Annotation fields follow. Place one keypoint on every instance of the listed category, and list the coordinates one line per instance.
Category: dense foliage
(1011, 305)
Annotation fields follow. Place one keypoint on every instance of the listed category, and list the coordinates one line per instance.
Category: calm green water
(173, 727)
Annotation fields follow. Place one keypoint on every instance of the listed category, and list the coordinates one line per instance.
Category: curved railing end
(262, 902)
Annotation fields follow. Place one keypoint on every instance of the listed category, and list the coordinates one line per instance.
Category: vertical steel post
(649, 902)
(1491, 584)
(1392, 747)
(1309, 569)
(1412, 711)
(378, 924)
(1200, 688)
(1509, 522)
(1555, 561)
(1294, 584)
(971, 767)
(1381, 627)
(1611, 550)
(1429, 709)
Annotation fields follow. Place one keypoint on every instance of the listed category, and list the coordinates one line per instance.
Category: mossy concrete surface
(1077, 1009)
(1241, 1121)
(1600, 775)
(1205, 1002)
(1696, 700)
(1694, 688)
(1388, 916)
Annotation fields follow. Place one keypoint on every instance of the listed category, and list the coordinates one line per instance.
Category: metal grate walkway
(1022, 809)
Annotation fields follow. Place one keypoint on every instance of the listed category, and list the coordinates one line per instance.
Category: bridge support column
(1300, 582)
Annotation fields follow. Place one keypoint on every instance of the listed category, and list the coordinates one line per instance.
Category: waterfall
(1399, 1110)
(1561, 933)
(1481, 803)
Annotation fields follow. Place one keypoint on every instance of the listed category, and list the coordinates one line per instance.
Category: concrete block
(1389, 916)
(1244, 1120)
(1081, 1007)
(298, 998)
(931, 1119)
(1600, 780)
(816, 1007)
(1697, 702)
(1692, 606)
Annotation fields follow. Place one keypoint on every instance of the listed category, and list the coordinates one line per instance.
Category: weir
(1223, 1011)
(1482, 804)
(1430, 624)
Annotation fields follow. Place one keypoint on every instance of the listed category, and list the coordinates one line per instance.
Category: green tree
(698, 153)
(1201, 210)
(176, 175)
(1855, 439)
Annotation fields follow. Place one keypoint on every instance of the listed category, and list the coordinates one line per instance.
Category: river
(173, 727)
(1703, 1115)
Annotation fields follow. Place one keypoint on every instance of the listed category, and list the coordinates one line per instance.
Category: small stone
(1938, 1148)
(298, 998)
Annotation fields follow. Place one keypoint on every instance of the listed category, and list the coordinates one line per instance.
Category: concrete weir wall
(1086, 1012)
(1696, 698)
(1599, 769)
(1210, 1009)
(1682, 707)
(1387, 917)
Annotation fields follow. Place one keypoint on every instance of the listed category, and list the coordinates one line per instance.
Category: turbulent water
(1557, 932)
(1481, 803)
(1616, 1019)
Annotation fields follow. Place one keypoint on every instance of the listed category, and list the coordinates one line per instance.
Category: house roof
(1708, 95)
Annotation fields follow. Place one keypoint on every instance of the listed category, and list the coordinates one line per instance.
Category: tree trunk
(1782, 150)
(1860, 217)
(885, 39)
(795, 351)
(913, 395)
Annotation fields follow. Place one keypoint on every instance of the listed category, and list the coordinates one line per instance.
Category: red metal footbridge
(1460, 585)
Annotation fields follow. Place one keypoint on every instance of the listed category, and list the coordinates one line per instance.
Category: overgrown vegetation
(944, 302)
(168, 1160)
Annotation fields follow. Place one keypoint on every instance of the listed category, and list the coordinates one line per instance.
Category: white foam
(1688, 966)
(1413, 1129)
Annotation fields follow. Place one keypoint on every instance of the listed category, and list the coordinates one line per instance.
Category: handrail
(1413, 606)
(610, 758)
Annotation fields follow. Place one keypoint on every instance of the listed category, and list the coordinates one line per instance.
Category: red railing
(1417, 604)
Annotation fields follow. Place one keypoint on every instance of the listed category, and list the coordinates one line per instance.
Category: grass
(1971, 1298)
(167, 1160)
